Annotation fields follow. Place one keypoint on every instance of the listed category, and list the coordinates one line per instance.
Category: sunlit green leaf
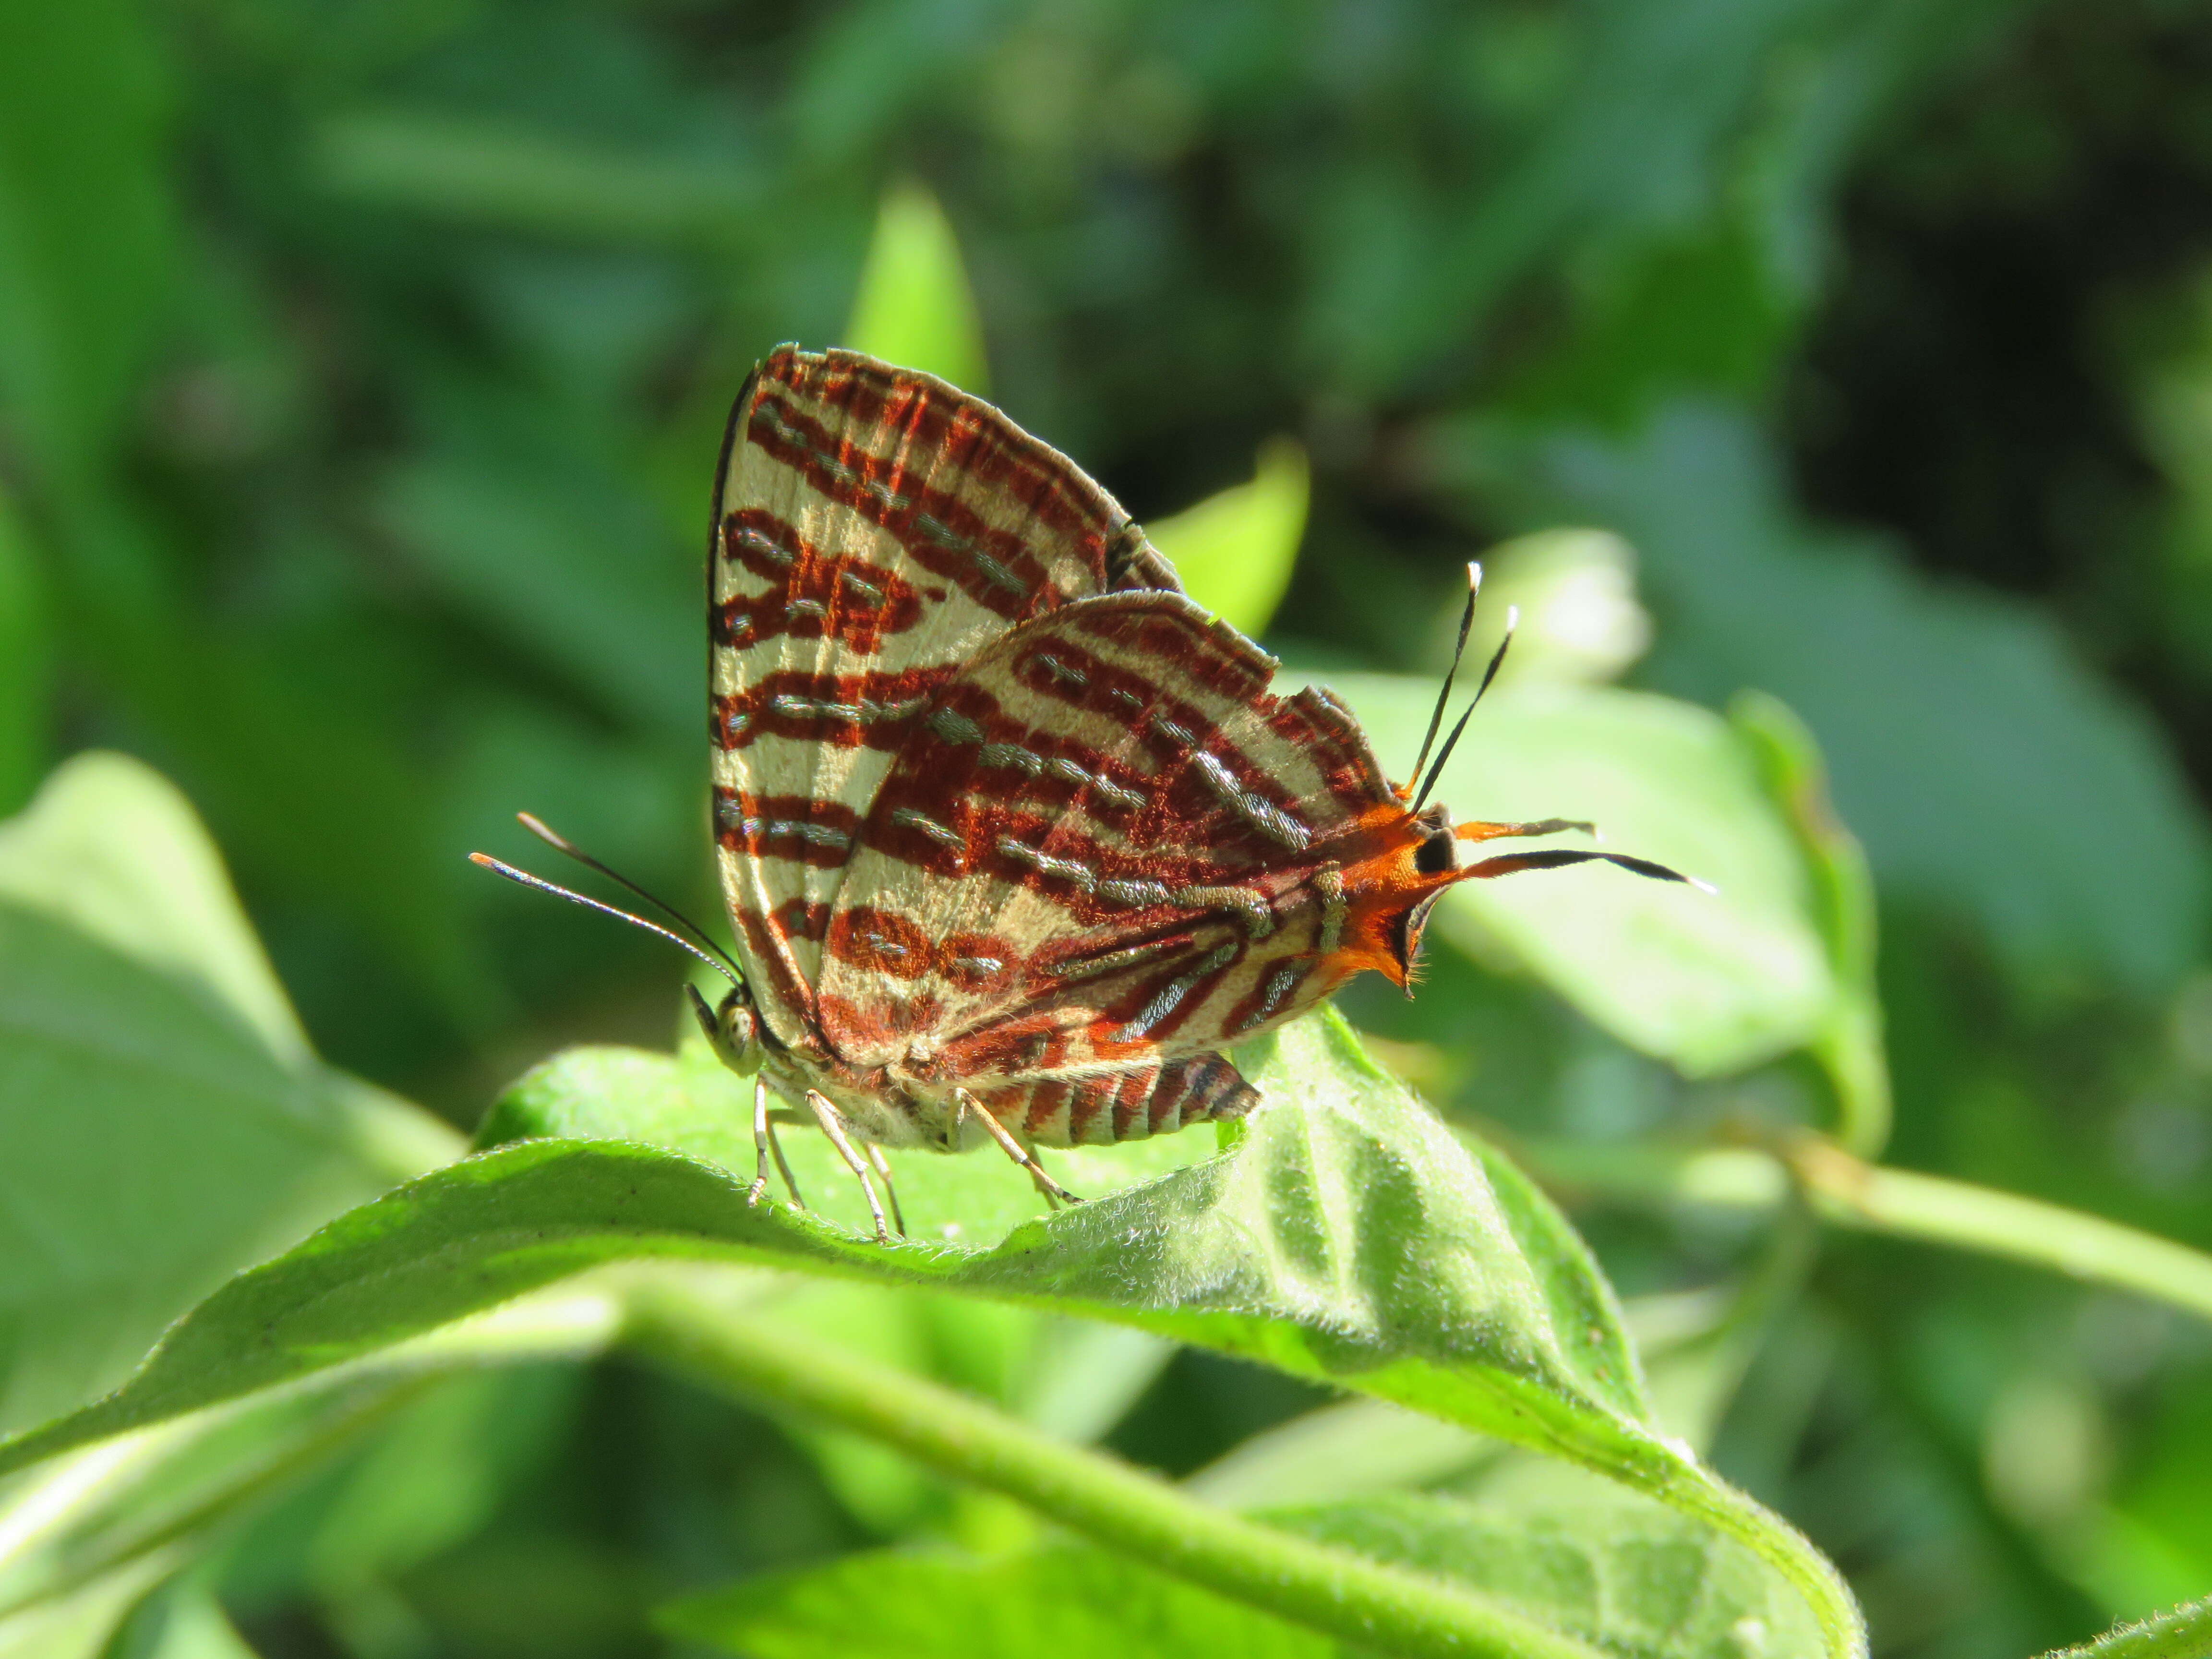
(189, 1624)
(1234, 550)
(1348, 1449)
(111, 850)
(1348, 1236)
(1344, 1180)
(1576, 593)
(1625, 1574)
(1850, 1044)
(1988, 772)
(83, 1535)
(2184, 1632)
(80, 1625)
(161, 1121)
(914, 307)
(1071, 1602)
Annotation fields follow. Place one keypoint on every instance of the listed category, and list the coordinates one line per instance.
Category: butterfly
(1016, 840)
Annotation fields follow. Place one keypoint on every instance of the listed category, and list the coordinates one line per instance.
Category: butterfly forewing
(874, 531)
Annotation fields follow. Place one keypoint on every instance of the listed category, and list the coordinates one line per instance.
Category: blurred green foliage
(361, 369)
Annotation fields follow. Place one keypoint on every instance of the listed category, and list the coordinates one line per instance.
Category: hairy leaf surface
(1348, 1236)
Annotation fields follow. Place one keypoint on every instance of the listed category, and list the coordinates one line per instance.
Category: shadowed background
(362, 371)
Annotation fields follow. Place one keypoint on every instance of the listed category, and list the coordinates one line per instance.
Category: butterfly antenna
(524, 879)
(1443, 697)
(1496, 661)
(560, 843)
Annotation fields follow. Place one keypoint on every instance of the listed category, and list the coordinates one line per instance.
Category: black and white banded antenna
(1459, 650)
(1496, 661)
(720, 961)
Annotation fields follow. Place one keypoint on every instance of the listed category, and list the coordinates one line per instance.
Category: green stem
(1914, 1205)
(1903, 1203)
(674, 1321)
(2183, 1634)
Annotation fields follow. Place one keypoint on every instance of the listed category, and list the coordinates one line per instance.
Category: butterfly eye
(1436, 854)
(740, 1029)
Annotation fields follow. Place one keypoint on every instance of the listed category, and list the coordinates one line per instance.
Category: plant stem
(2183, 1634)
(676, 1320)
(2088, 1247)
(1851, 1193)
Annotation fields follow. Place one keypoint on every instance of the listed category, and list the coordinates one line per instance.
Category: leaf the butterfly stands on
(1015, 838)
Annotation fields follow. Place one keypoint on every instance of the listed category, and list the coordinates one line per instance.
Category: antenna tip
(485, 860)
(1513, 617)
(542, 830)
(1703, 885)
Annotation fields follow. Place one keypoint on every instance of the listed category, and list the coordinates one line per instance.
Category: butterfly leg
(883, 1174)
(832, 1125)
(766, 1145)
(1052, 1191)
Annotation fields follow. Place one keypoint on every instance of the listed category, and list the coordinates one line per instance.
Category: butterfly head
(1413, 858)
(1408, 858)
(734, 1029)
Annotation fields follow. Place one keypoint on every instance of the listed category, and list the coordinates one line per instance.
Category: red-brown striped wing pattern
(875, 530)
(1103, 852)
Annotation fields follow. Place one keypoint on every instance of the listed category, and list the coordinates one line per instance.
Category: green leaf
(1987, 771)
(188, 1623)
(1349, 1448)
(2183, 1634)
(1315, 1245)
(1071, 1602)
(161, 1121)
(1632, 1579)
(1575, 592)
(1850, 1045)
(1348, 1236)
(113, 850)
(81, 1626)
(82, 1536)
(914, 307)
(1234, 550)
(1710, 982)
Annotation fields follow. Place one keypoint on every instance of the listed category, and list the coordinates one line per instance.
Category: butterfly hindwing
(1103, 847)
(875, 529)
(1154, 1099)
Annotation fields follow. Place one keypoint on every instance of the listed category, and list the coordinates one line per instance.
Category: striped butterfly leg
(1054, 1194)
(883, 1174)
(834, 1127)
(765, 1145)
